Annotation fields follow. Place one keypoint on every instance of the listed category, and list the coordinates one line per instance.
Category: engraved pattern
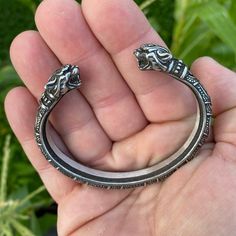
(62, 81)
(147, 58)
(150, 57)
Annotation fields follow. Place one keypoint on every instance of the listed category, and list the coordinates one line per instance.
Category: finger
(71, 40)
(121, 28)
(91, 203)
(220, 83)
(20, 114)
(153, 144)
(225, 131)
(72, 118)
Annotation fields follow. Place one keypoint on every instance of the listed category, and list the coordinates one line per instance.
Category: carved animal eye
(162, 50)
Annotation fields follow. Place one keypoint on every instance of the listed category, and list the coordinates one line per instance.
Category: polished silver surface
(149, 57)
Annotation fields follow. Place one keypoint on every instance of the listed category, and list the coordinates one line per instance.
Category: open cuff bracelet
(150, 57)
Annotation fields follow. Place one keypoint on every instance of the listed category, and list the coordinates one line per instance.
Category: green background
(191, 28)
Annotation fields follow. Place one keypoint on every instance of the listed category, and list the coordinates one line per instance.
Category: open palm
(124, 119)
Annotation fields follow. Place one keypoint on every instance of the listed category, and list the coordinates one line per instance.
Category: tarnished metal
(150, 57)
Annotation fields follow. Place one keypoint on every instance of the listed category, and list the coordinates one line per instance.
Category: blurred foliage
(20, 205)
(16, 17)
(191, 28)
(160, 14)
(205, 28)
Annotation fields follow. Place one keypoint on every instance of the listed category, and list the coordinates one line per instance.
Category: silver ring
(150, 57)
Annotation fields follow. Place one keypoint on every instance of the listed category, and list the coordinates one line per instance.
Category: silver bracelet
(150, 57)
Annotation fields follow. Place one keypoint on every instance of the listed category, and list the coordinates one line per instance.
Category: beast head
(64, 79)
(153, 57)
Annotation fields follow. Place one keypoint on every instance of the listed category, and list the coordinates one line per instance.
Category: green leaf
(20, 193)
(5, 230)
(35, 226)
(219, 22)
(232, 10)
(146, 4)
(184, 27)
(21, 229)
(194, 36)
(31, 195)
(4, 170)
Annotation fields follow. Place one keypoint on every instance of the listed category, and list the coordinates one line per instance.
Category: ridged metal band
(150, 57)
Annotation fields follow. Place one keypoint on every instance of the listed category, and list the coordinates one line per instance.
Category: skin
(124, 119)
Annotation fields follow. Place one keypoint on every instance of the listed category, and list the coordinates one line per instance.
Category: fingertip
(12, 95)
(21, 42)
(120, 23)
(207, 69)
(63, 27)
(202, 61)
(218, 80)
(47, 7)
(20, 108)
(29, 54)
(207, 64)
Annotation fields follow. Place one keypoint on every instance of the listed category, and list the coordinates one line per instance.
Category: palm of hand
(198, 199)
(124, 125)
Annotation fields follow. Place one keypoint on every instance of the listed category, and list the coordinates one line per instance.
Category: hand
(124, 119)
